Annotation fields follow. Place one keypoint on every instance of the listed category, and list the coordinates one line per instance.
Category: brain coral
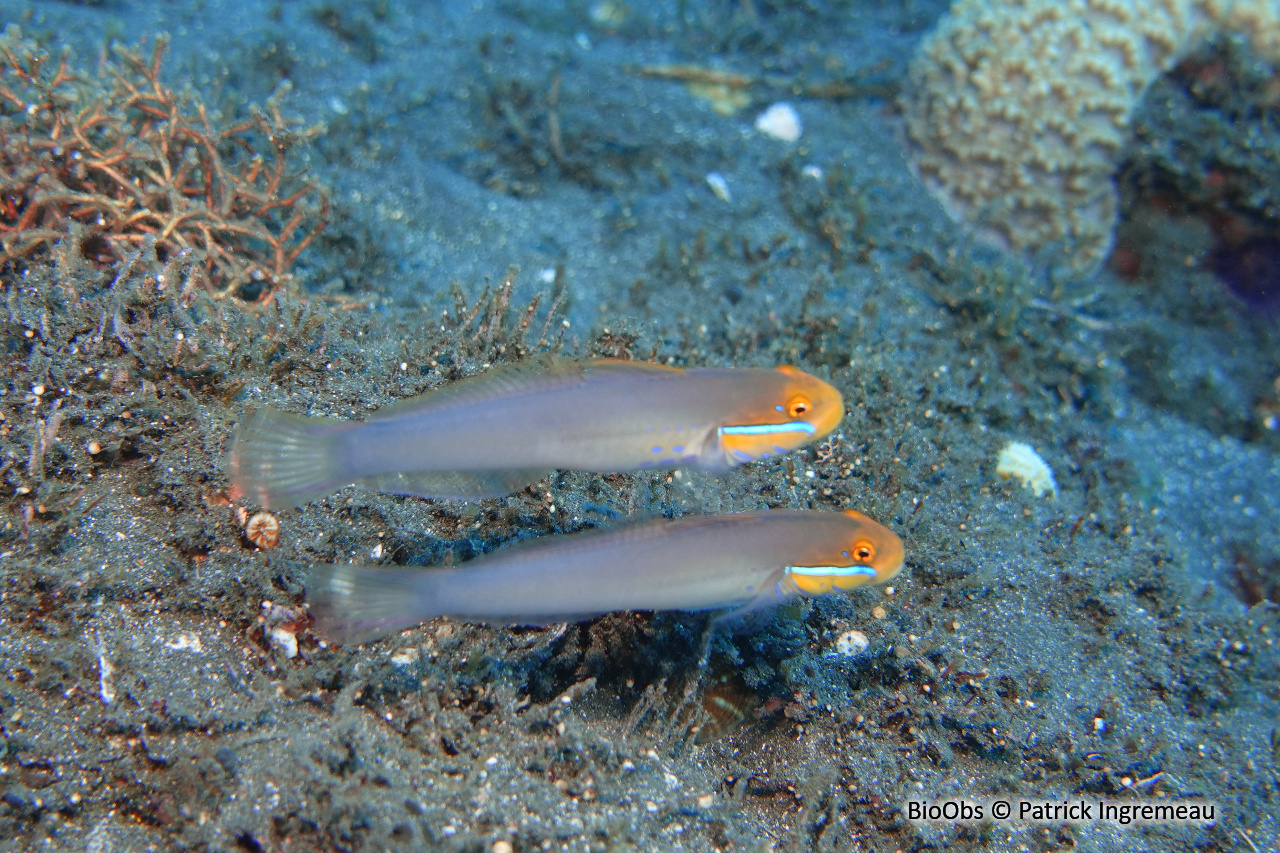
(1017, 110)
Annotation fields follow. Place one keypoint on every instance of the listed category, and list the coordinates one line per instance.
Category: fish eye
(799, 407)
(864, 552)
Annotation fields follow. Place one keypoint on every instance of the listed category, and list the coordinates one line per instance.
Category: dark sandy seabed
(1116, 639)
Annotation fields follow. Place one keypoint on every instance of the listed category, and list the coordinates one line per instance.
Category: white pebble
(781, 121)
(719, 186)
(283, 639)
(851, 643)
(404, 657)
(1019, 461)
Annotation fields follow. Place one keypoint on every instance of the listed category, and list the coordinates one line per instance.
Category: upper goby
(497, 432)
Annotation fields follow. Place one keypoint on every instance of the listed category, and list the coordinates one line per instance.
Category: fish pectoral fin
(754, 613)
(456, 485)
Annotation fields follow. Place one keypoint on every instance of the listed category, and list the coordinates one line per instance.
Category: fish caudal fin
(280, 460)
(358, 604)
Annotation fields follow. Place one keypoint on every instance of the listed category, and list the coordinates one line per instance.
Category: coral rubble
(1017, 111)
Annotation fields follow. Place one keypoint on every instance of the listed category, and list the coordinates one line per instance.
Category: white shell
(405, 657)
(851, 643)
(1019, 461)
(719, 186)
(283, 639)
(780, 121)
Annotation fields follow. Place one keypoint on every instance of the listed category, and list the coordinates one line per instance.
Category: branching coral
(123, 160)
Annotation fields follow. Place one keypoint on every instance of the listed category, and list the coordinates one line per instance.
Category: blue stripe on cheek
(770, 429)
(745, 457)
(679, 448)
(833, 571)
(655, 449)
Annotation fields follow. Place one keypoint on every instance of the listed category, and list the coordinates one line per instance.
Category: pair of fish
(498, 432)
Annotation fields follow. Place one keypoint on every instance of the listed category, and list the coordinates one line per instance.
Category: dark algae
(324, 209)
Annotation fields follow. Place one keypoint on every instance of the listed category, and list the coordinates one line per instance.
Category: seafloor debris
(719, 186)
(781, 121)
(1019, 461)
(263, 530)
(850, 643)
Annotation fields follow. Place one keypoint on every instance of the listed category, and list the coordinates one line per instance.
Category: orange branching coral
(123, 160)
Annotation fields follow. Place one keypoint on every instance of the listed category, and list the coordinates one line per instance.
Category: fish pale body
(497, 432)
(741, 561)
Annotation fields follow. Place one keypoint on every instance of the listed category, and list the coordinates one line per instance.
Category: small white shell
(283, 639)
(850, 644)
(406, 656)
(780, 121)
(719, 186)
(1019, 461)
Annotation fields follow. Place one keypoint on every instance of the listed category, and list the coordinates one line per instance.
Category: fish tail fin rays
(280, 460)
(359, 604)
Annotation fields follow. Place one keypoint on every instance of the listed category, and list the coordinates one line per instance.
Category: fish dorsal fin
(534, 374)
(453, 485)
(501, 381)
(605, 368)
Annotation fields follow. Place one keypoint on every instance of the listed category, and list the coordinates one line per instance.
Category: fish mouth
(829, 415)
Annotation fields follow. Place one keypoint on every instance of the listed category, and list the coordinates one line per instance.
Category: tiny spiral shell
(263, 530)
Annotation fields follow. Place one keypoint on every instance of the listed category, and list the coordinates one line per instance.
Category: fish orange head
(867, 553)
(792, 410)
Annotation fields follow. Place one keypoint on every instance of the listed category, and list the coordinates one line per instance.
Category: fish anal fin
(455, 485)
